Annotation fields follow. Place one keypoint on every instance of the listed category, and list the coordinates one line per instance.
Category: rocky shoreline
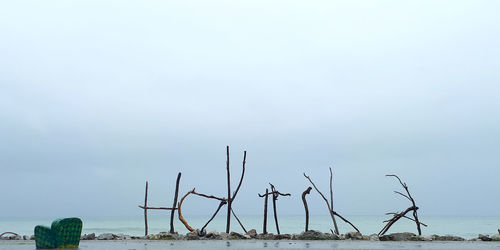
(252, 234)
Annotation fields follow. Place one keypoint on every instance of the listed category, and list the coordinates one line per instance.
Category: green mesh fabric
(64, 233)
(44, 237)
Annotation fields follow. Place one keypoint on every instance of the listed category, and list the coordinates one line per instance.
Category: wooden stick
(406, 217)
(242, 175)
(237, 219)
(146, 211)
(228, 220)
(394, 219)
(346, 221)
(181, 218)
(415, 215)
(158, 208)
(275, 197)
(331, 201)
(175, 202)
(327, 203)
(264, 229)
(222, 203)
(306, 192)
(209, 196)
(4, 233)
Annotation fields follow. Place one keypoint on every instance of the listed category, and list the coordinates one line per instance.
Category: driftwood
(264, 229)
(223, 201)
(146, 207)
(239, 222)
(275, 193)
(330, 204)
(306, 192)
(146, 210)
(397, 216)
(4, 233)
(231, 198)
(175, 202)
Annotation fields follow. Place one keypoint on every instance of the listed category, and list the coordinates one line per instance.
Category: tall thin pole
(146, 210)
(175, 203)
(275, 197)
(229, 201)
(264, 230)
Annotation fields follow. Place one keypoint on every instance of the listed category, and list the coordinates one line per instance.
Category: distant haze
(96, 97)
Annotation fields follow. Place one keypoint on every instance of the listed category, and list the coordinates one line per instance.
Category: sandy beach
(258, 244)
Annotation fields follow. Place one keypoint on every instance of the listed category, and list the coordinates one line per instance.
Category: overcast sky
(96, 97)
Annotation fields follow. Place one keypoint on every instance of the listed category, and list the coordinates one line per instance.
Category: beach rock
(397, 237)
(236, 236)
(107, 236)
(426, 237)
(268, 236)
(32, 237)
(213, 235)
(495, 237)
(193, 235)
(484, 237)
(88, 236)
(283, 237)
(252, 233)
(123, 237)
(447, 238)
(313, 235)
(353, 236)
(374, 237)
(163, 236)
(224, 236)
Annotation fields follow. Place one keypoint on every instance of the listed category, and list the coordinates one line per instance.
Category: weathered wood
(393, 220)
(327, 204)
(193, 191)
(239, 222)
(266, 195)
(228, 220)
(158, 208)
(400, 215)
(222, 203)
(331, 201)
(306, 192)
(146, 211)
(179, 210)
(406, 217)
(275, 197)
(4, 233)
(346, 221)
(176, 195)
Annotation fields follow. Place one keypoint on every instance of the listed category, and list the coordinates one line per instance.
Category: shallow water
(467, 227)
(255, 244)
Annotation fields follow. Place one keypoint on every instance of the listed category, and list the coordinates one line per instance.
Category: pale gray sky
(97, 97)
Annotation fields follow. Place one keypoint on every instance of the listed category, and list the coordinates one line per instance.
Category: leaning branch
(330, 210)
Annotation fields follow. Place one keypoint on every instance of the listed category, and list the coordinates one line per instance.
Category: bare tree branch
(306, 192)
(327, 203)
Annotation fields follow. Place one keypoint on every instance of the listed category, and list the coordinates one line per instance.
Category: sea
(464, 226)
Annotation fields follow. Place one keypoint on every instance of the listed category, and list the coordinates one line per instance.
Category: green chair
(64, 233)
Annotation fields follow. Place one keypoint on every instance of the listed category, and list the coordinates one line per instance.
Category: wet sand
(259, 244)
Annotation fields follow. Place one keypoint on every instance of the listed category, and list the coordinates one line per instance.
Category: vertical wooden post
(306, 192)
(146, 210)
(264, 230)
(275, 197)
(229, 201)
(175, 203)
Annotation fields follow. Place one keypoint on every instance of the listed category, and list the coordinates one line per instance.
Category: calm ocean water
(467, 227)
